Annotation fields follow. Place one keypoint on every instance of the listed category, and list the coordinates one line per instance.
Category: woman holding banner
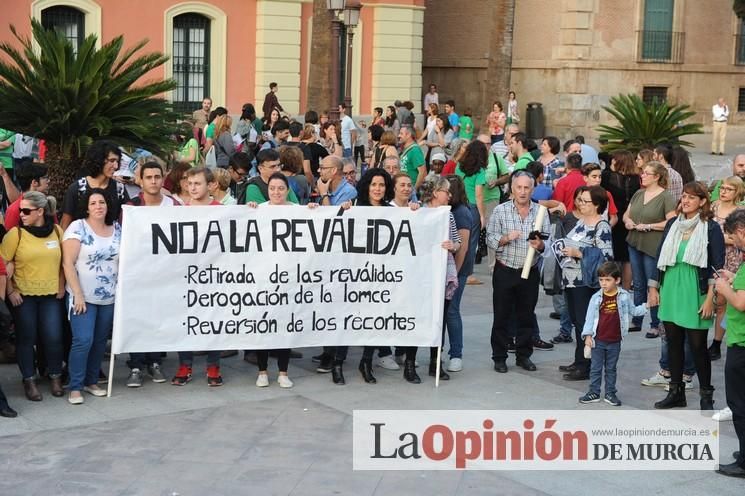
(277, 189)
(374, 189)
(90, 259)
(435, 192)
(35, 290)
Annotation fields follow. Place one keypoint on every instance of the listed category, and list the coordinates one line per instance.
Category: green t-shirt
(523, 161)
(411, 159)
(465, 127)
(495, 169)
(253, 194)
(715, 191)
(735, 318)
(470, 182)
(6, 154)
(209, 133)
(186, 151)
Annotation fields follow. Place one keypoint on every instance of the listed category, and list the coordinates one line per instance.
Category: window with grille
(191, 64)
(649, 93)
(741, 100)
(68, 21)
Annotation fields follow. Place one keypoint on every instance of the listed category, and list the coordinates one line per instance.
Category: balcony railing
(740, 49)
(665, 47)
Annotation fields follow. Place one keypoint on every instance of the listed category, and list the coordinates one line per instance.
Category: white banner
(221, 278)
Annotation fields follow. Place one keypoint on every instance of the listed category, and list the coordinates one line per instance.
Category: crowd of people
(625, 235)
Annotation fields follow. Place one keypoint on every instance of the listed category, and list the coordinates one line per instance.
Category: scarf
(695, 253)
(41, 231)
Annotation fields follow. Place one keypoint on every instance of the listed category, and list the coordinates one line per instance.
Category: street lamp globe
(352, 13)
(335, 5)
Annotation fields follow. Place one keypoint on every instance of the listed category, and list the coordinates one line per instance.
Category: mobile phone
(716, 272)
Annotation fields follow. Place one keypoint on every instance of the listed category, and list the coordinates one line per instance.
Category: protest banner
(208, 278)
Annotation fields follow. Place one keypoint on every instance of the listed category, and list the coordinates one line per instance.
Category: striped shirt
(506, 218)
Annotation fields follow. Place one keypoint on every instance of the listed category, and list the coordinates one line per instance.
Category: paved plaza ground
(162, 440)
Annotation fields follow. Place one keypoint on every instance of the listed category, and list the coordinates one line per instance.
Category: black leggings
(283, 359)
(697, 339)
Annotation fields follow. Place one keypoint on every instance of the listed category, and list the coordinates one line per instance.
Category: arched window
(191, 61)
(67, 20)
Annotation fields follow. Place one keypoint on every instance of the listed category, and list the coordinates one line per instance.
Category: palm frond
(643, 125)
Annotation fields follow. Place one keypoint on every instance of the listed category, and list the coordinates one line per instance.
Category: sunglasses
(27, 211)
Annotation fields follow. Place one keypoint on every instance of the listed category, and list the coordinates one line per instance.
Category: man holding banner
(151, 182)
(511, 231)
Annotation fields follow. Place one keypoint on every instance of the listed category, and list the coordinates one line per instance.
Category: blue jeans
(642, 268)
(346, 153)
(689, 367)
(604, 357)
(90, 330)
(454, 321)
(39, 316)
(560, 307)
(187, 357)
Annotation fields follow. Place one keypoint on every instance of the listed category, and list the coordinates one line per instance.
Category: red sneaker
(213, 376)
(183, 375)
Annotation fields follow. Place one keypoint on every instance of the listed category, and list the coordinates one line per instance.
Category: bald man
(332, 186)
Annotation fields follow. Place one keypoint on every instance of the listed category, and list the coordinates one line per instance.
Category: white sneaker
(387, 362)
(455, 365)
(656, 380)
(689, 385)
(722, 415)
(78, 399)
(262, 380)
(284, 381)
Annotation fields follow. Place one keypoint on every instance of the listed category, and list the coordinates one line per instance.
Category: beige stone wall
(397, 54)
(278, 51)
(593, 55)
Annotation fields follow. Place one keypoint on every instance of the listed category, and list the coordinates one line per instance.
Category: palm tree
(642, 125)
(70, 98)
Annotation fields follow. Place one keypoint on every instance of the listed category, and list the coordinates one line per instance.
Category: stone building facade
(573, 55)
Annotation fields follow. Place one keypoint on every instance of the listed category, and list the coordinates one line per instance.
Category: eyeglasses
(354, 173)
(727, 188)
(645, 173)
(27, 211)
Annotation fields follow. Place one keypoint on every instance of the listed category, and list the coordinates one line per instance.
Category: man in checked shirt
(507, 232)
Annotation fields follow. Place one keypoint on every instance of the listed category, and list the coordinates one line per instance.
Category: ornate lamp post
(336, 8)
(351, 19)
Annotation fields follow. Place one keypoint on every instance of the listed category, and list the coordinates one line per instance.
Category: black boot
(676, 397)
(444, 376)
(337, 375)
(707, 398)
(410, 372)
(715, 350)
(366, 371)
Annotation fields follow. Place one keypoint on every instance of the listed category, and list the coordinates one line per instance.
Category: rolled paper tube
(531, 251)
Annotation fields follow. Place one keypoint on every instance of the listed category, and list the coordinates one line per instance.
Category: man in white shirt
(348, 131)
(719, 115)
(502, 148)
(431, 97)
